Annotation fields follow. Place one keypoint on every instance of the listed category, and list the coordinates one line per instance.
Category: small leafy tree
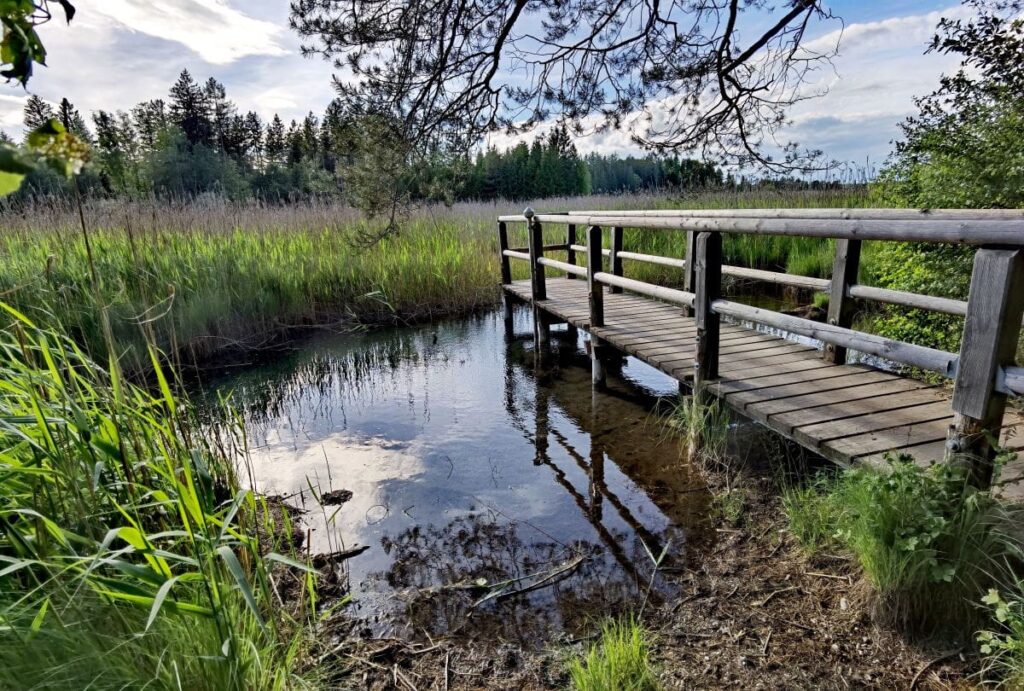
(962, 150)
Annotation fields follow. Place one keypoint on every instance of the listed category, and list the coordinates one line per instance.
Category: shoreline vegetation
(126, 535)
(210, 276)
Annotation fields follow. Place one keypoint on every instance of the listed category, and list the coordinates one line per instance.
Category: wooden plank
(733, 383)
(840, 410)
(788, 397)
(846, 448)
(880, 418)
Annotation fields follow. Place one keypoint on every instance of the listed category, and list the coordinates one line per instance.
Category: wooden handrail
(563, 266)
(851, 213)
(1000, 230)
(897, 351)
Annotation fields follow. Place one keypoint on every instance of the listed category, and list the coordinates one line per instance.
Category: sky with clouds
(119, 52)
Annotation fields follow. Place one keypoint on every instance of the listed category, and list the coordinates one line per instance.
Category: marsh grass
(127, 556)
(929, 545)
(618, 661)
(200, 277)
(703, 425)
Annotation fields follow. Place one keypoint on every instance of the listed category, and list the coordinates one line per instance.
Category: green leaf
(243, 582)
(158, 600)
(288, 561)
(10, 182)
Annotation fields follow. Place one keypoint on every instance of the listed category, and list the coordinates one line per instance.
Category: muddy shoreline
(753, 612)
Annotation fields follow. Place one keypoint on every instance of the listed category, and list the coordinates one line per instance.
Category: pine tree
(253, 129)
(37, 113)
(294, 143)
(190, 111)
(72, 120)
(150, 119)
(222, 116)
(274, 148)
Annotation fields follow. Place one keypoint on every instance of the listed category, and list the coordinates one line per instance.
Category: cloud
(216, 32)
(868, 91)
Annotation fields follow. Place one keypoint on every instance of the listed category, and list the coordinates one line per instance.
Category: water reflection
(471, 457)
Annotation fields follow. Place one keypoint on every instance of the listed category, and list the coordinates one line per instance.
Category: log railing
(984, 371)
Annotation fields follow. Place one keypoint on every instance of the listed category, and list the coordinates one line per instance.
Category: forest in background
(197, 142)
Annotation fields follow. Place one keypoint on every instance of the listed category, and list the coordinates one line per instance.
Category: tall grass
(197, 277)
(127, 557)
(617, 662)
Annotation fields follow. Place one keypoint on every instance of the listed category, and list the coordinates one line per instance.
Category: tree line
(197, 141)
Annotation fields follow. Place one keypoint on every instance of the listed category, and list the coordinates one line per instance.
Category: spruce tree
(190, 111)
(37, 113)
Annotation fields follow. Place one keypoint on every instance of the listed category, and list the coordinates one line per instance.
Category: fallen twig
(930, 663)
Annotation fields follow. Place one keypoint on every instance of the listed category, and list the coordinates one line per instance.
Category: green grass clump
(929, 544)
(128, 557)
(617, 662)
(811, 515)
(703, 425)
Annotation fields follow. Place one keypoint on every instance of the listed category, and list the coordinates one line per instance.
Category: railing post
(991, 329)
(708, 270)
(689, 275)
(570, 253)
(616, 260)
(595, 264)
(506, 267)
(538, 286)
(840, 306)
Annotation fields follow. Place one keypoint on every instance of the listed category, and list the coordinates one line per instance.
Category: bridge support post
(570, 253)
(841, 306)
(995, 305)
(708, 269)
(616, 260)
(595, 263)
(689, 271)
(506, 267)
(538, 286)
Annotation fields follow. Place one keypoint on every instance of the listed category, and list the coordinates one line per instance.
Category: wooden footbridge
(805, 389)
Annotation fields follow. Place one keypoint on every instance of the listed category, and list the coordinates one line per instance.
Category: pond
(496, 493)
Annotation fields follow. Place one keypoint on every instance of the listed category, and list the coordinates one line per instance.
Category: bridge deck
(846, 413)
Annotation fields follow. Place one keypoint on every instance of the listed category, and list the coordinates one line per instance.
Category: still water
(471, 462)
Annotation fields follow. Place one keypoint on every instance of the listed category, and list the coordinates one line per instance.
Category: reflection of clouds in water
(339, 461)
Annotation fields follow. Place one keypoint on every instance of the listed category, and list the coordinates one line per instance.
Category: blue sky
(119, 52)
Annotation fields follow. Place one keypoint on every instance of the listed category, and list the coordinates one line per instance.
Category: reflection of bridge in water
(620, 430)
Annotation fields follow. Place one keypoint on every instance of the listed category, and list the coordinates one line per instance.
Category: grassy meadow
(200, 277)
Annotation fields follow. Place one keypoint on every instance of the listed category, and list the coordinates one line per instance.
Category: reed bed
(195, 278)
(128, 557)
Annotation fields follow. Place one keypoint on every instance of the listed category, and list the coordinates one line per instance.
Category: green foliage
(963, 150)
(617, 662)
(209, 274)
(130, 559)
(921, 536)
(1003, 644)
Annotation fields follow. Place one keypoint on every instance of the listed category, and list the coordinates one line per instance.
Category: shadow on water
(472, 462)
